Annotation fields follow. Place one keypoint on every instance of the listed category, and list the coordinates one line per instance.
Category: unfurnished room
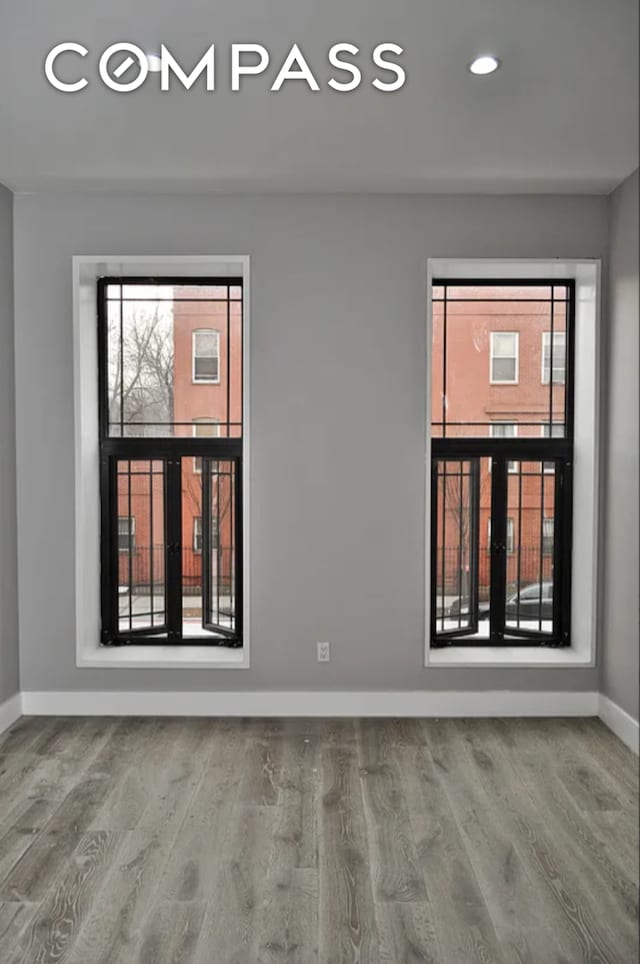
(319, 492)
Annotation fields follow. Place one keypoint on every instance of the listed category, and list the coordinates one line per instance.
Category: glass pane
(208, 599)
(222, 584)
(461, 579)
(192, 547)
(174, 356)
(498, 354)
(141, 545)
(531, 509)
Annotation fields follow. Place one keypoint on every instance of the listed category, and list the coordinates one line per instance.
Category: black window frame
(170, 451)
(502, 453)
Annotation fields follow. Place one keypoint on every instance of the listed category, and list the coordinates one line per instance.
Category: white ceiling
(560, 116)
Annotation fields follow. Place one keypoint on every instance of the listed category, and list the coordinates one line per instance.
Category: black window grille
(502, 454)
(170, 417)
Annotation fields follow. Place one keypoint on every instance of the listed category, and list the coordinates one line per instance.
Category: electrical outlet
(324, 652)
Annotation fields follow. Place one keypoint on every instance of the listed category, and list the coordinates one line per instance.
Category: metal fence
(524, 565)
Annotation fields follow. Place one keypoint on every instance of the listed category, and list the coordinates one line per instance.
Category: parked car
(526, 603)
(460, 607)
(531, 602)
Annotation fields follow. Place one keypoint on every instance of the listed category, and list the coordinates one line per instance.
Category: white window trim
(204, 381)
(586, 572)
(89, 653)
(504, 381)
(543, 380)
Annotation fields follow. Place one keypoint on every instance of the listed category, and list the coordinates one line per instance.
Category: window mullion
(498, 550)
(173, 547)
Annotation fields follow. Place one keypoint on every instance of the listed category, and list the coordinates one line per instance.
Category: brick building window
(510, 534)
(206, 356)
(504, 357)
(126, 534)
(554, 430)
(204, 428)
(554, 357)
(505, 430)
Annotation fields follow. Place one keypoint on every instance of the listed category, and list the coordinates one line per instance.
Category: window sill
(164, 657)
(522, 657)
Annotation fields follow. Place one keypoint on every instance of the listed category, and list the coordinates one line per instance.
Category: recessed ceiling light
(154, 62)
(486, 64)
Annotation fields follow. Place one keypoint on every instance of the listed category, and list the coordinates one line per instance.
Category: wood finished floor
(140, 841)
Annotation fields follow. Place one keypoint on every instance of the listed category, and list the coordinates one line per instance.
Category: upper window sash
(170, 351)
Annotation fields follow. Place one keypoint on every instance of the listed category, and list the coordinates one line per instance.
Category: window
(510, 534)
(126, 534)
(504, 357)
(204, 428)
(171, 473)
(500, 484)
(505, 430)
(554, 357)
(197, 533)
(555, 430)
(206, 356)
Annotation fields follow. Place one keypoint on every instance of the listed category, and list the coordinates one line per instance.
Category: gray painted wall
(9, 658)
(621, 590)
(338, 400)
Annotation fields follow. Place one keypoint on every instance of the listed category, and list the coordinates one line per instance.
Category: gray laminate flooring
(193, 841)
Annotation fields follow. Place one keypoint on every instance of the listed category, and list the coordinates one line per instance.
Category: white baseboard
(10, 711)
(311, 703)
(620, 722)
(316, 703)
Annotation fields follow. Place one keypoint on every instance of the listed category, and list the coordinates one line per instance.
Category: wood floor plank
(289, 926)
(260, 780)
(396, 873)
(348, 928)
(128, 896)
(26, 821)
(57, 922)
(171, 933)
(192, 872)
(114, 926)
(404, 915)
(45, 860)
(22, 735)
(230, 931)
(463, 927)
(14, 920)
